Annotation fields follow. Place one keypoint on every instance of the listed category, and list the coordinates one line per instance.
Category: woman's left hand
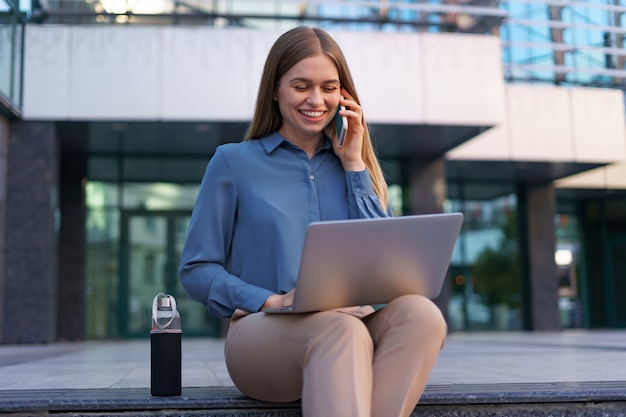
(350, 153)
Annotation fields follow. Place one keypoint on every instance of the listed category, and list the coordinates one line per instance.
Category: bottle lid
(164, 303)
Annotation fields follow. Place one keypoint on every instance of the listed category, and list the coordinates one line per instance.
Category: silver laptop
(372, 261)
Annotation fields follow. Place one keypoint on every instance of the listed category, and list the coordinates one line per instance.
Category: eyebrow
(306, 80)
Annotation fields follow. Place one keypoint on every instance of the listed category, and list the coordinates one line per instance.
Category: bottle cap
(164, 303)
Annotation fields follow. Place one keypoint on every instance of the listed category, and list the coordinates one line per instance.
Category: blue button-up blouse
(247, 229)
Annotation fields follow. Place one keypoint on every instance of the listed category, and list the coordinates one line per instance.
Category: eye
(330, 88)
(300, 87)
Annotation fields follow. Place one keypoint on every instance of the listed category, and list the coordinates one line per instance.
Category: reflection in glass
(154, 244)
(486, 275)
(496, 276)
(159, 196)
(567, 257)
(147, 257)
(101, 272)
(133, 253)
(11, 57)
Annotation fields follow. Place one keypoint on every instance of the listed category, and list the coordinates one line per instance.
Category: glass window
(105, 303)
(101, 273)
(485, 266)
(568, 258)
(103, 168)
(396, 199)
(588, 29)
(11, 52)
(159, 196)
(527, 39)
(102, 194)
(563, 42)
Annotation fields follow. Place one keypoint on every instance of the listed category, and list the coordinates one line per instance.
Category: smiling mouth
(312, 113)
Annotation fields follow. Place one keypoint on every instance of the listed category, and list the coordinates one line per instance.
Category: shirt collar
(274, 140)
(271, 141)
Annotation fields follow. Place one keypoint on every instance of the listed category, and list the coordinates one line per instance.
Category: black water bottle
(165, 347)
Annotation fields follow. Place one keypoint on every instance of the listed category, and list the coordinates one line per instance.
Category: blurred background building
(509, 111)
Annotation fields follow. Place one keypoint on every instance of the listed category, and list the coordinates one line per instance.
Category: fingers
(288, 298)
(353, 113)
(351, 105)
(350, 153)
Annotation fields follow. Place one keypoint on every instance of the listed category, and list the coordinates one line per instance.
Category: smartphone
(341, 126)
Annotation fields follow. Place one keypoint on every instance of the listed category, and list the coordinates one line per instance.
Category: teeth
(312, 113)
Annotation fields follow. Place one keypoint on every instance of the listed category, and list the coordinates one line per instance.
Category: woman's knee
(420, 312)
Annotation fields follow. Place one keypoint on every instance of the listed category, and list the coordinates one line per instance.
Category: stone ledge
(536, 399)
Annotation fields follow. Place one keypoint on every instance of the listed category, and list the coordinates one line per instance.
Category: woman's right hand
(351, 153)
(279, 300)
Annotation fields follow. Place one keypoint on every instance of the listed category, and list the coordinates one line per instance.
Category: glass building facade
(577, 42)
(138, 200)
(11, 35)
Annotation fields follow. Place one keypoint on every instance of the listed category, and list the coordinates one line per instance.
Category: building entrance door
(151, 245)
(617, 281)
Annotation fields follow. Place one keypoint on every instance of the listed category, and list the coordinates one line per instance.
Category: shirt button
(312, 176)
(357, 189)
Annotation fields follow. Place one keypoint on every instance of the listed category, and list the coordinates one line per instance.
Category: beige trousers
(340, 364)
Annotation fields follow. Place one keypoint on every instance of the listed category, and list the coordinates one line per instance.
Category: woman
(246, 234)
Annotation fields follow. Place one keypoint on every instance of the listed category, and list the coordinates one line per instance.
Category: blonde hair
(289, 49)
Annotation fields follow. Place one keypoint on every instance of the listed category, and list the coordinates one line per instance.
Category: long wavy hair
(289, 49)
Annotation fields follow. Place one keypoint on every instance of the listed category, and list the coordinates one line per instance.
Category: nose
(315, 98)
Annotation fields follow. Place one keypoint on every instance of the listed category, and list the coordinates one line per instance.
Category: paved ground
(467, 358)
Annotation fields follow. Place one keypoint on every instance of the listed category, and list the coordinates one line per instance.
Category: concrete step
(580, 399)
